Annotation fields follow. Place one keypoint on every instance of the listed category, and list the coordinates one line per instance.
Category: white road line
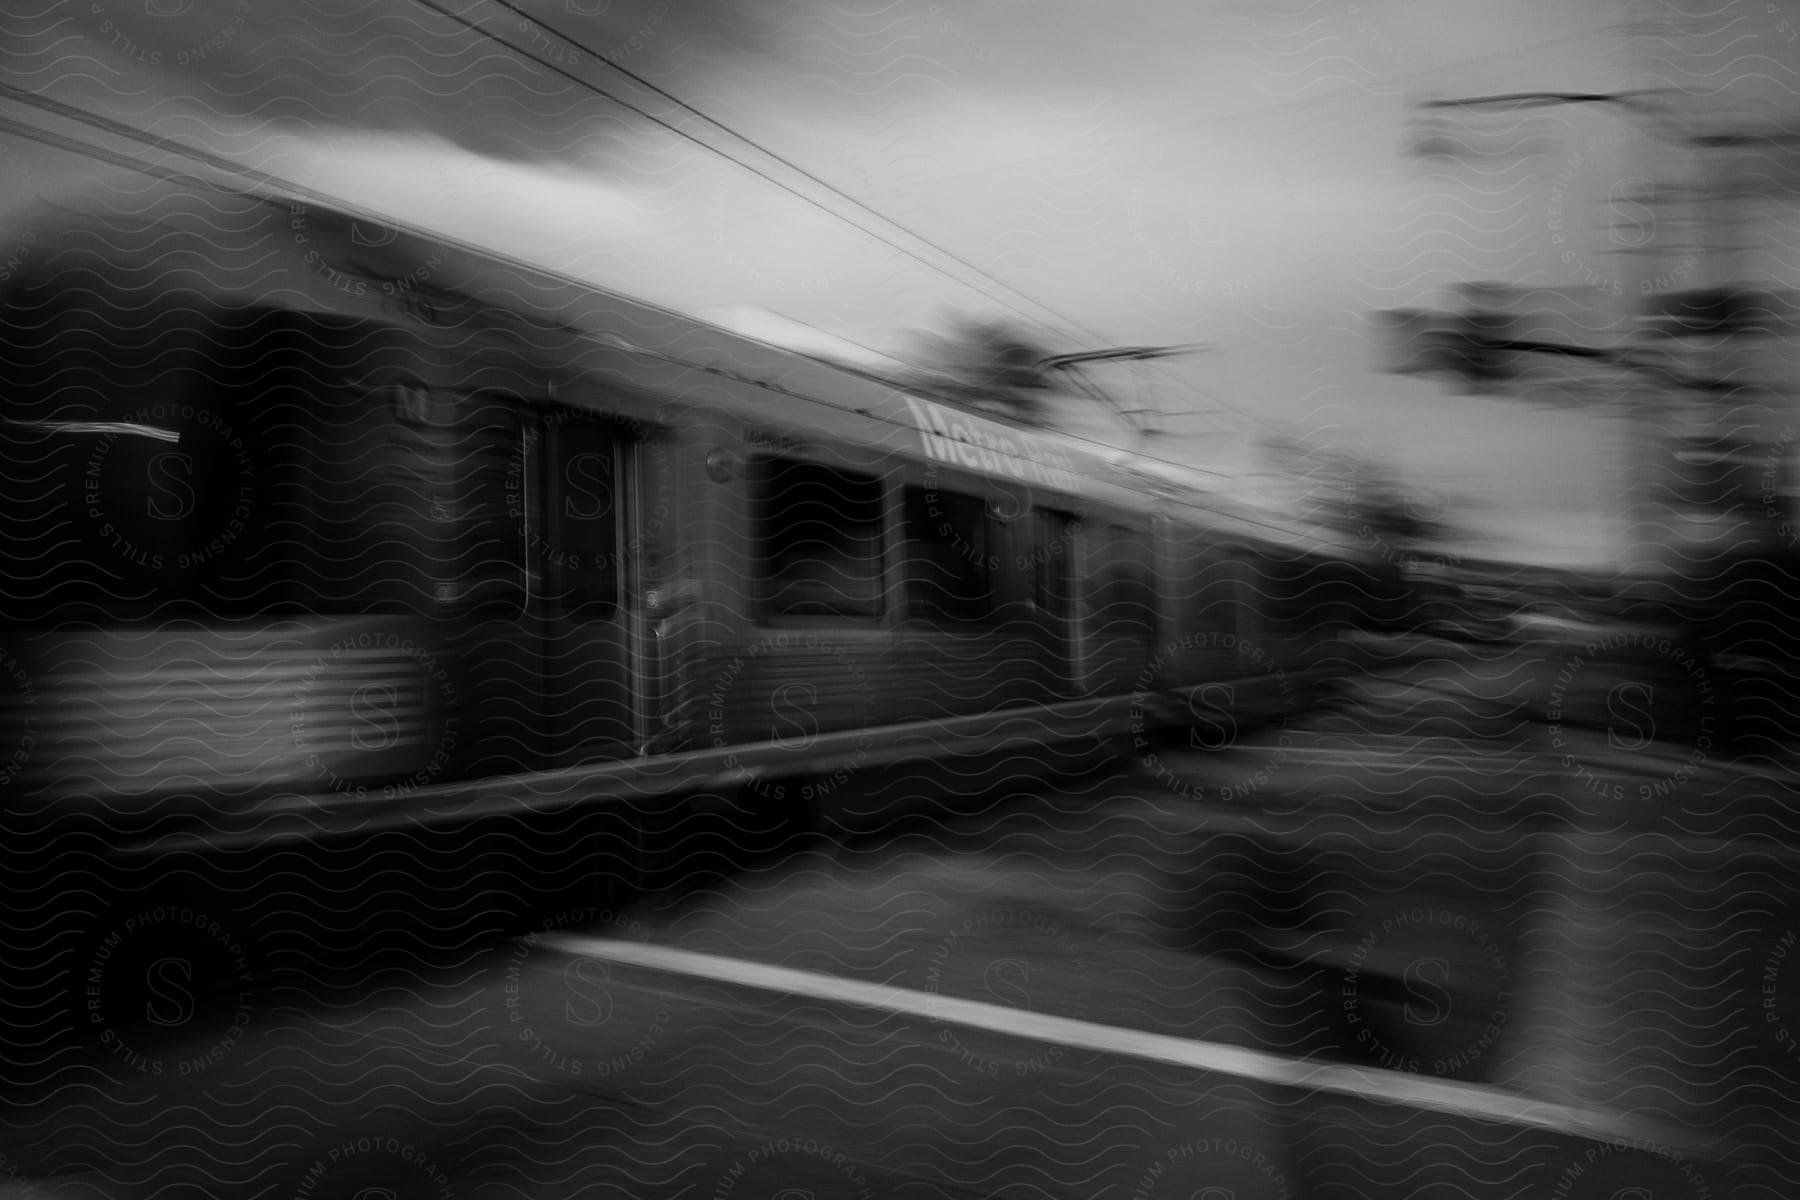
(1388, 1087)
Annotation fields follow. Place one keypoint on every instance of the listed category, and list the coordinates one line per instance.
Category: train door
(587, 473)
(496, 501)
(543, 497)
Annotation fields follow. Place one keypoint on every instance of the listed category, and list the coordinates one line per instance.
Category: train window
(1121, 590)
(818, 539)
(949, 555)
(493, 504)
(1267, 581)
(579, 550)
(135, 472)
(1284, 587)
(490, 506)
(1210, 595)
(1053, 562)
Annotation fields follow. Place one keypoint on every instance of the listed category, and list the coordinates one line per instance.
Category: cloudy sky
(1238, 173)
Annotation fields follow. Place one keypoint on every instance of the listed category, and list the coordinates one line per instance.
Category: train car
(317, 517)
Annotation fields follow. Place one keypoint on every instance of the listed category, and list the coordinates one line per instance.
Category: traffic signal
(1721, 340)
(1475, 346)
(1503, 336)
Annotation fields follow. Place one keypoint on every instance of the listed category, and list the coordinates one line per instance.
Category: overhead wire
(1126, 414)
(1129, 416)
(1132, 417)
(788, 164)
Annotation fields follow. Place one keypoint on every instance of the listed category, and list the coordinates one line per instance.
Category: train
(320, 523)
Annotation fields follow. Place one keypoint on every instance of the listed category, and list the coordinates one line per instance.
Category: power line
(789, 164)
(1067, 321)
(1156, 369)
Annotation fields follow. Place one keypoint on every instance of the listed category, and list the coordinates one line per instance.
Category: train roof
(266, 245)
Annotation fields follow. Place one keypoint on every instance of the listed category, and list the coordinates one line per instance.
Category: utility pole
(1549, 1056)
(1582, 1036)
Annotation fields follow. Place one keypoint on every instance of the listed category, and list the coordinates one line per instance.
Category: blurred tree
(1003, 368)
(1394, 533)
(985, 364)
(1359, 496)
